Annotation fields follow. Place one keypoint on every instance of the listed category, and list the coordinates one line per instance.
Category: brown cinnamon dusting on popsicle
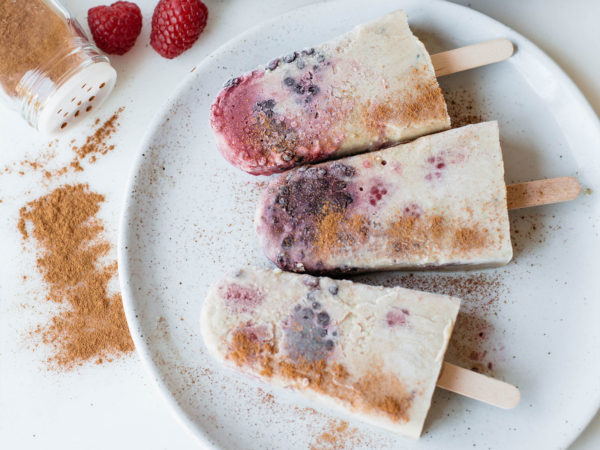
(416, 234)
(468, 238)
(270, 136)
(377, 388)
(247, 348)
(330, 234)
(406, 234)
(421, 102)
(375, 391)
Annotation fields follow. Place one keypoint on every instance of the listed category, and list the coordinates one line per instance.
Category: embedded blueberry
(308, 314)
(299, 89)
(323, 319)
(287, 242)
(282, 201)
(304, 338)
(282, 260)
(300, 64)
(308, 51)
(316, 305)
(343, 170)
(313, 89)
(231, 82)
(311, 281)
(310, 296)
(273, 64)
(289, 81)
(333, 290)
(290, 58)
(268, 104)
(297, 308)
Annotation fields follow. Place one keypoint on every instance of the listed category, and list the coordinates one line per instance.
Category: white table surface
(116, 405)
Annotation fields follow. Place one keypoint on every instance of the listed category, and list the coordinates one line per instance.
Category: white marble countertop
(116, 405)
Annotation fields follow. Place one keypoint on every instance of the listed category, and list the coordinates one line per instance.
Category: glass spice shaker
(48, 68)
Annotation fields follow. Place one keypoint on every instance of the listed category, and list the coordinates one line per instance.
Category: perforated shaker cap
(79, 96)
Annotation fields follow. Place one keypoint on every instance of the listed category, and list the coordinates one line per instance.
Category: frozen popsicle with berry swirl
(371, 352)
(372, 87)
(437, 202)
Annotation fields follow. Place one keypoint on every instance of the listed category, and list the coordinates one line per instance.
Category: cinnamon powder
(422, 101)
(337, 435)
(379, 392)
(330, 235)
(91, 326)
(33, 37)
(96, 144)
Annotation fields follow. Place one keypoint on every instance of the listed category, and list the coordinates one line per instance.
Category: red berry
(116, 27)
(176, 25)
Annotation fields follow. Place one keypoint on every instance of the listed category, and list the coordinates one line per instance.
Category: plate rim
(128, 206)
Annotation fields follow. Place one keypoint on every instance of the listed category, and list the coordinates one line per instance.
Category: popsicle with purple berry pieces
(375, 86)
(437, 202)
(371, 352)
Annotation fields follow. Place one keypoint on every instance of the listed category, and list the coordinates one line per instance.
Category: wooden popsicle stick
(479, 387)
(542, 192)
(471, 56)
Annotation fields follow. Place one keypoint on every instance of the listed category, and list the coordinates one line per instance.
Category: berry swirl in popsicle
(372, 352)
(436, 202)
(370, 88)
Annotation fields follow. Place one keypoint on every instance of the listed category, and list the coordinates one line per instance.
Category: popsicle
(436, 202)
(371, 352)
(371, 87)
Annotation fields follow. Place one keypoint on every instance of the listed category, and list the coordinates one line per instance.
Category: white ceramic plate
(188, 219)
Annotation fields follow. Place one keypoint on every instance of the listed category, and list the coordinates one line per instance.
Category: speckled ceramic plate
(188, 219)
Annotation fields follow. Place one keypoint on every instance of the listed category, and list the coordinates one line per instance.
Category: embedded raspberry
(176, 26)
(116, 27)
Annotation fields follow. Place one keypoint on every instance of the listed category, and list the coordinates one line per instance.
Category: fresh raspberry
(176, 25)
(116, 27)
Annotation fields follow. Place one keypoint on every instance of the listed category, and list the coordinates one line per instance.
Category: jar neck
(38, 85)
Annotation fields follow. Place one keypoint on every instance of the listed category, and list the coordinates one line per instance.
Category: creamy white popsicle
(374, 86)
(372, 352)
(436, 202)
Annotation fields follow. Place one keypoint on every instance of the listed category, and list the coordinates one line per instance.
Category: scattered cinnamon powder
(382, 393)
(91, 325)
(337, 435)
(462, 108)
(98, 143)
